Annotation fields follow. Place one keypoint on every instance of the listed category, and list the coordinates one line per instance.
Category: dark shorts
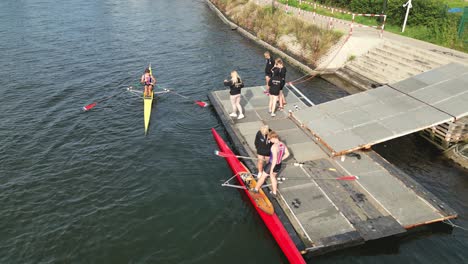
(275, 90)
(275, 170)
(263, 153)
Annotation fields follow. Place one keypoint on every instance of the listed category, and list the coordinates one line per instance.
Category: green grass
(456, 3)
(416, 32)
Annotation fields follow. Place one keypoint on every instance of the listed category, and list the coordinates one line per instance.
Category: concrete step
(381, 66)
(407, 60)
(390, 74)
(389, 69)
(372, 66)
(416, 56)
(375, 77)
(384, 63)
(422, 52)
(396, 62)
(354, 78)
(371, 74)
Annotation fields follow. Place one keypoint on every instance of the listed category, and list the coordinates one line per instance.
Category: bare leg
(233, 104)
(273, 105)
(274, 183)
(282, 101)
(261, 181)
(270, 104)
(237, 102)
(267, 79)
(260, 162)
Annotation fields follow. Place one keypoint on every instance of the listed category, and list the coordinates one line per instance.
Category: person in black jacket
(235, 85)
(269, 62)
(275, 88)
(282, 74)
(263, 146)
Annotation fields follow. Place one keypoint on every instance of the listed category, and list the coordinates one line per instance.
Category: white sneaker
(233, 114)
(240, 116)
(273, 114)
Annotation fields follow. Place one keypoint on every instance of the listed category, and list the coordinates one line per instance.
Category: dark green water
(90, 188)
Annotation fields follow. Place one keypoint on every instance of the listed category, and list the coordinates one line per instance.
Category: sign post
(408, 5)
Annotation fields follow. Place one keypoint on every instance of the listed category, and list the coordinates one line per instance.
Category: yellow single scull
(147, 105)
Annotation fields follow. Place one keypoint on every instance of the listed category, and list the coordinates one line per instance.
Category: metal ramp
(367, 118)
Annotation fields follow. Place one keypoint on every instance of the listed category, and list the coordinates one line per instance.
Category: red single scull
(271, 220)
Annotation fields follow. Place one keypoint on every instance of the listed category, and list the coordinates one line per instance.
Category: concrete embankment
(290, 59)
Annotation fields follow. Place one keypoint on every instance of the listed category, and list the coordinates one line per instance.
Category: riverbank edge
(303, 67)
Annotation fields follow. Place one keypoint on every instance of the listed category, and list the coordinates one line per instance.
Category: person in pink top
(278, 153)
(149, 81)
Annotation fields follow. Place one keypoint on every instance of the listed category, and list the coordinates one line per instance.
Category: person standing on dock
(278, 153)
(149, 81)
(275, 88)
(235, 85)
(282, 73)
(263, 146)
(268, 66)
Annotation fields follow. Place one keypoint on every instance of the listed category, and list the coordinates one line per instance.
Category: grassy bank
(440, 31)
(290, 34)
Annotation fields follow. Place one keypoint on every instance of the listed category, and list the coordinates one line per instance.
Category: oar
(92, 105)
(342, 178)
(199, 103)
(297, 164)
(139, 93)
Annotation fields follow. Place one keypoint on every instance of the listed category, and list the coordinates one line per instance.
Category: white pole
(408, 5)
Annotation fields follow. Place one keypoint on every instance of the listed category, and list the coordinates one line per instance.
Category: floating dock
(390, 111)
(332, 214)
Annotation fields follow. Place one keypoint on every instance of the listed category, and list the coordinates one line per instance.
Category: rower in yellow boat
(149, 81)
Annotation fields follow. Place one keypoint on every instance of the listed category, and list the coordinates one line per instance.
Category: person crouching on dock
(263, 146)
(278, 153)
(235, 85)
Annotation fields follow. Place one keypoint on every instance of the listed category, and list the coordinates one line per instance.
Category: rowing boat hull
(271, 220)
(147, 104)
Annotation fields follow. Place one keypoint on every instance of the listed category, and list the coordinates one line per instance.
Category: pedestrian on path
(269, 63)
(278, 153)
(263, 146)
(235, 84)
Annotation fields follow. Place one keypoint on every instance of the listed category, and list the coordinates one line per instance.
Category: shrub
(270, 26)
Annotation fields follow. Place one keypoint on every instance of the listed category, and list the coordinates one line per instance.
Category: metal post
(461, 26)
(383, 26)
(408, 5)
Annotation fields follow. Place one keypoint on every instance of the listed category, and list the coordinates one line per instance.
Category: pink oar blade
(221, 154)
(89, 107)
(347, 178)
(201, 104)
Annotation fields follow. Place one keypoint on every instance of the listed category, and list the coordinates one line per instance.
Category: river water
(89, 187)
